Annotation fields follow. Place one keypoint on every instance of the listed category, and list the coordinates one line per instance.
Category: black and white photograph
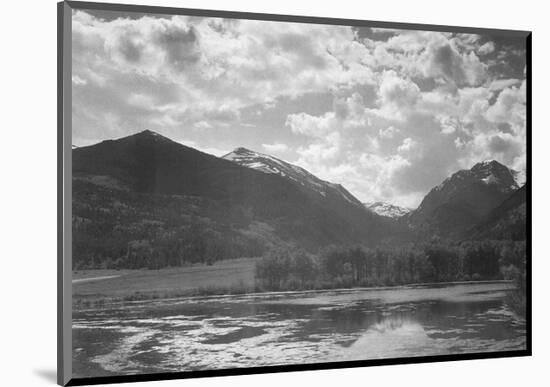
(252, 193)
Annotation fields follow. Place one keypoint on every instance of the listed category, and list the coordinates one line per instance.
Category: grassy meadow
(228, 276)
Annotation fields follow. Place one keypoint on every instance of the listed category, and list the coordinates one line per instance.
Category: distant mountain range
(147, 186)
(387, 209)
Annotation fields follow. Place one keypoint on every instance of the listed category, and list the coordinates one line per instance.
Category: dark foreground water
(291, 328)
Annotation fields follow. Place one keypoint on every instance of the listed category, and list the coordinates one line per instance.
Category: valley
(159, 220)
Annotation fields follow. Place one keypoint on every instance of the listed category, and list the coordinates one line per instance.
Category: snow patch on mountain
(490, 179)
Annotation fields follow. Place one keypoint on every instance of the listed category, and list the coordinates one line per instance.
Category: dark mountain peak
(490, 162)
(494, 173)
(149, 134)
(488, 166)
(489, 172)
(467, 196)
(242, 150)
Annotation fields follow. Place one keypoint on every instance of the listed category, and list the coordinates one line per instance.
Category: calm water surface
(291, 328)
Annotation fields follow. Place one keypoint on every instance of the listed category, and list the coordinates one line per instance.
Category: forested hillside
(146, 201)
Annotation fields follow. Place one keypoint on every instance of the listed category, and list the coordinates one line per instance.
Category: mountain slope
(505, 222)
(272, 165)
(152, 165)
(464, 199)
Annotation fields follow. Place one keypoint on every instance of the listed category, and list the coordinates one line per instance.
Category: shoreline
(191, 294)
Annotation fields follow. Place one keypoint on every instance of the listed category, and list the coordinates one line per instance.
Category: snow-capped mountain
(493, 172)
(269, 164)
(387, 209)
(489, 172)
(466, 196)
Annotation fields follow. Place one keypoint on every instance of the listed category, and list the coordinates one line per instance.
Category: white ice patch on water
(119, 360)
(205, 346)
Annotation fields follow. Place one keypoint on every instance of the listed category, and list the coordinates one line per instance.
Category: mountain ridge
(506, 221)
(273, 165)
(278, 191)
(151, 164)
(464, 198)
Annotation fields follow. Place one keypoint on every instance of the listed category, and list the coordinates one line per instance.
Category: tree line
(190, 244)
(284, 268)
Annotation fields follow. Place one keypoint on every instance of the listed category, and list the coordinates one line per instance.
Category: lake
(294, 328)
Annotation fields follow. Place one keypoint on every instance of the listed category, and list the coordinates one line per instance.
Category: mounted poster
(244, 193)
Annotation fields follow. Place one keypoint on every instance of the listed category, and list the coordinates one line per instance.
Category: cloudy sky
(387, 113)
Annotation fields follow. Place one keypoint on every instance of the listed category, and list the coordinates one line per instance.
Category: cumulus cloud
(509, 107)
(398, 91)
(312, 126)
(78, 81)
(212, 68)
(412, 139)
(499, 84)
(397, 95)
(434, 56)
(276, 147)
(388, 132)
(444, 60)
(486, 48)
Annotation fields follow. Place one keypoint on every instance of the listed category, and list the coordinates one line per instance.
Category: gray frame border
(64, 193)
(64, 190)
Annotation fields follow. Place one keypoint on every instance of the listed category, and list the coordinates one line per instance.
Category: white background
(28, 191)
